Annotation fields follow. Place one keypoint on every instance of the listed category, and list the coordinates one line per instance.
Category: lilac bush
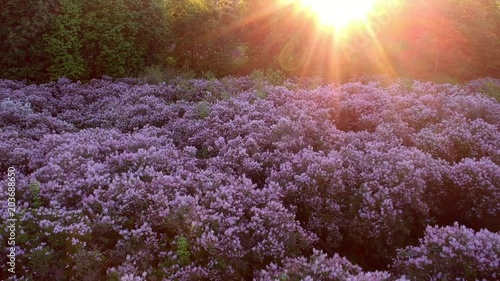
(241, 179)
(473, 193)
(371, 200)
(488, 86)
(318, 267)
(451, 253)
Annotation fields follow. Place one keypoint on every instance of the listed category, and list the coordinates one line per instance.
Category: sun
(339, 13)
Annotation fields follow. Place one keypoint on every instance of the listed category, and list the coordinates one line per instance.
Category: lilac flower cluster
(240, 179)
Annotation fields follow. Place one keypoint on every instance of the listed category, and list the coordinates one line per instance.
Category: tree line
(44, 40)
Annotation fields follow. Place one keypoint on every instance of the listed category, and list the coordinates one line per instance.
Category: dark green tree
(22, 47)
(152, 40)
(108, 39)
(209, 35)
(63, 42)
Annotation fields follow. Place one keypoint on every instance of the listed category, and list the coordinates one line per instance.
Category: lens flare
(339, 13)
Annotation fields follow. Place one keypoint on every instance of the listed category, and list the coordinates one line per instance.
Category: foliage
(460, 42)
(273, 77)
(108, 32)
(183, 251)
(156, 74)
(488, 86)
(63, 44)
(203, 109)
(35, 191)
(82, 40)
(22, 47)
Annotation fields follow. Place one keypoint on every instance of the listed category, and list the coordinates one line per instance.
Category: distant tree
(277, 35)
(153, 39)
(63, 42)
(189, 27)
(22, 47)
(209, 35)
(108, 39)
(459, 39)
(479, 23)
(43, 40)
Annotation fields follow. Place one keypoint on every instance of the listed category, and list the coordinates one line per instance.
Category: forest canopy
(445, 40)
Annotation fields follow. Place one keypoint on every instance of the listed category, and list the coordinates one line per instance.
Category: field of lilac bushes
(243, 179)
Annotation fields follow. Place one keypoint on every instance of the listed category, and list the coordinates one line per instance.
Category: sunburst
(339, 13)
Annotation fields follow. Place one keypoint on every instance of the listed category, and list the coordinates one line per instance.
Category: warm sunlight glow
(339, 13)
